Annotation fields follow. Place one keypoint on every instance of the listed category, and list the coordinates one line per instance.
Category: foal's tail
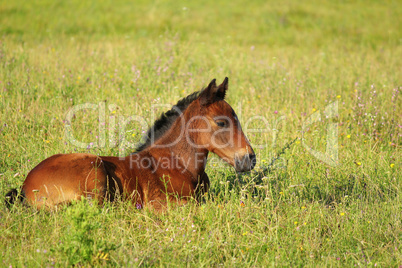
(12, 196)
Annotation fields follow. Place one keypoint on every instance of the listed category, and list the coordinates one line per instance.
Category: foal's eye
(221, 123)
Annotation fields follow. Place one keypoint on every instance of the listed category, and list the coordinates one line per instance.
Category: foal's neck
(186, 157)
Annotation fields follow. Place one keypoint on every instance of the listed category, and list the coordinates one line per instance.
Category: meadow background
(286, 60)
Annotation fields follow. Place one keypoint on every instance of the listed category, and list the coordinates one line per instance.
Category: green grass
(285, 60)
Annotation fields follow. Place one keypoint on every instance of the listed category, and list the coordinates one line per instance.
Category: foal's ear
(222, 88)
(213, 93)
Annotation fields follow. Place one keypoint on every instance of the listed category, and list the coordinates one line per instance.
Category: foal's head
(214, 126)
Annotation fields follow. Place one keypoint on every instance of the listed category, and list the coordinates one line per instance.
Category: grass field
(287, 62)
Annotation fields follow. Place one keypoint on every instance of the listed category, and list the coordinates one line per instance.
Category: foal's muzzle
(245, 163)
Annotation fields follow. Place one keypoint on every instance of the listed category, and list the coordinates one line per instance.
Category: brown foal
(169, 165)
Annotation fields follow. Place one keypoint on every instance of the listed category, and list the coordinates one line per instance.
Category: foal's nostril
(253, 160)
(245, 163)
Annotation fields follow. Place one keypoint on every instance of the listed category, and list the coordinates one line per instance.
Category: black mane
(165, 121)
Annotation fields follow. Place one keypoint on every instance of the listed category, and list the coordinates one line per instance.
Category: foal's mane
(165, 121)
